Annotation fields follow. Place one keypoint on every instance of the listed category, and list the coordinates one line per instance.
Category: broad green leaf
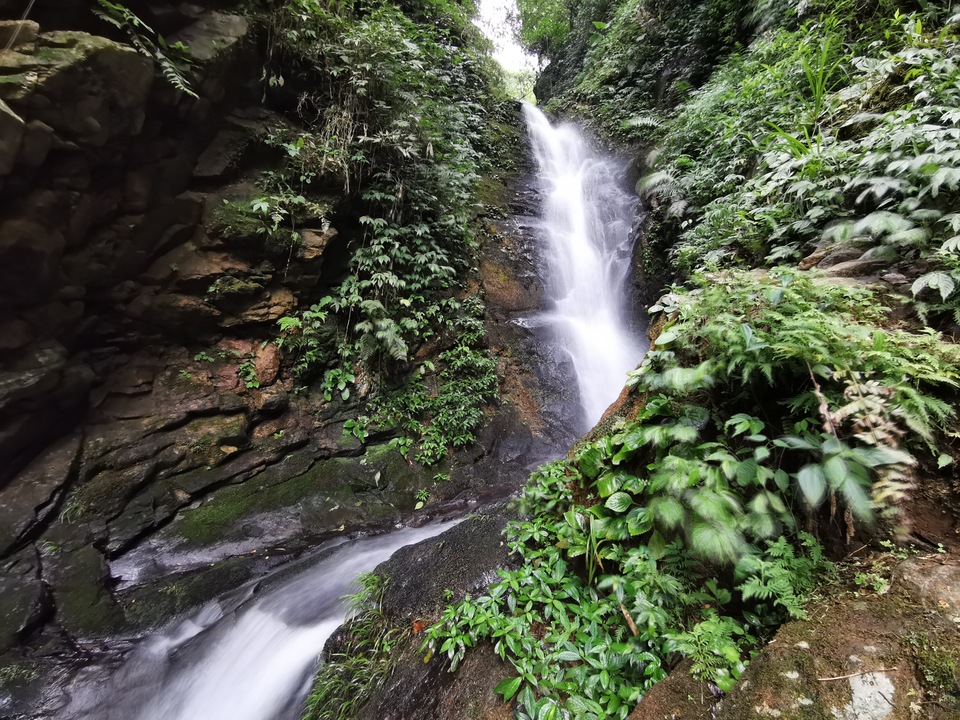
(656, 545)
(747, 472)
(717, 542)
(856, 498)
(812, 483)
(619, 502)
(609, 483)
(590, 461)
(667, 336)
(508, 687)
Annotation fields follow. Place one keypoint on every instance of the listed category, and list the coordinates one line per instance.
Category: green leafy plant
(247, 372)
(173, 60)
(361, 658)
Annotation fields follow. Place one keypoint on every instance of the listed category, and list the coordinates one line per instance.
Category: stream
(251, 654)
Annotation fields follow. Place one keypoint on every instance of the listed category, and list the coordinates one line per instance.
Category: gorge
(637, 403)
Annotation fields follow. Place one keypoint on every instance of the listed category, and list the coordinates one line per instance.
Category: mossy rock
(321, 497)
(85, 607)
(151, 605)
(235, 222)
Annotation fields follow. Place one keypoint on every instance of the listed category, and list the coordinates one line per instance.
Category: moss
(936, 658)
(234, 220)
(151, 605)
(18, 673)
(218, 518)
(85, 607)
(229, 285)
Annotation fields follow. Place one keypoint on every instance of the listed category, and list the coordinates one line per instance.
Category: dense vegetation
(392, 106)
(781, 411)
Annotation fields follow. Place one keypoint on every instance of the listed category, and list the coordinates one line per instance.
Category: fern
(170, 59)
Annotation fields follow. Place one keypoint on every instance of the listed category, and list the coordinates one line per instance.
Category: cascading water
(586, 223)
(251, 664)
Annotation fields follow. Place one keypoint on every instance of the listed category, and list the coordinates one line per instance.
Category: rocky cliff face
(96, 165)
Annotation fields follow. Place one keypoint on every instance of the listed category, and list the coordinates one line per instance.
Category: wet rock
(421, 579)
(30, 500)
(153, 604)
(78, 575)
(21, 595)
(506, 291)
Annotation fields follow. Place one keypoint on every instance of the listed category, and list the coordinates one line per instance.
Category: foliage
(173, 60)
(772, 400)
(361, 659)
(441, 406)
(840, 134)
(395, 103)
(544, 26)
(764, 396)
(938, 665)
(18, 674)
(624, 59)
(590, 648)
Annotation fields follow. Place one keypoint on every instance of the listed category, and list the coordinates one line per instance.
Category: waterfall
(254, 662)
(586, 221)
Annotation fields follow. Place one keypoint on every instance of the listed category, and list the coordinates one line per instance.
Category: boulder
(86, 88)
(316, 241)
(860, 267)
(421, 578)
(213, 35)
(38, 140)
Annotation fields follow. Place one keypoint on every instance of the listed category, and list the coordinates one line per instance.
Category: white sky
(493, 20)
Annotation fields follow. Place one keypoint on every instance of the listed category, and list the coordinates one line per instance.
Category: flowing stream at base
(252, 662)
(251, 655)
(586, 222)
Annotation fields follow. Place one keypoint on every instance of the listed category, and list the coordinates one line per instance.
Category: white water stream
(586, 221)
(253, 664)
